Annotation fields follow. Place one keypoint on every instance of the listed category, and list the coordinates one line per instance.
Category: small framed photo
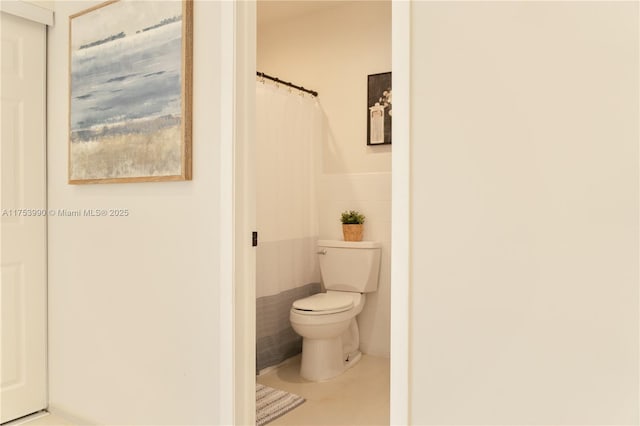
(130, 92)
(379, 109)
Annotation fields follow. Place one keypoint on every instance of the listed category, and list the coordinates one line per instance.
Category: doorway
(314, 162)
(238, 148)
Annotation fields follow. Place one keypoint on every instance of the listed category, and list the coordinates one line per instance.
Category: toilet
(327, 321)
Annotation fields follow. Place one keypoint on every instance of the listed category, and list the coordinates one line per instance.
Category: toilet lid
(321, 302)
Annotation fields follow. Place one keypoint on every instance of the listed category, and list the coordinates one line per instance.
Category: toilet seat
(324, 303)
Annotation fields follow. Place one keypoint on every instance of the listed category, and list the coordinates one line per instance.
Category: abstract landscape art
(130, 92)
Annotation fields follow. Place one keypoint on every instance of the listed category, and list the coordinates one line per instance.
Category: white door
(23, 226)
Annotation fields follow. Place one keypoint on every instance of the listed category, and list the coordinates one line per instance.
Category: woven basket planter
(352, 232)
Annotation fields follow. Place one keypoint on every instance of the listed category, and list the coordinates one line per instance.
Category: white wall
(133, 301)
(524, 213)
(332, 50)
(331, 47)
(46, 4)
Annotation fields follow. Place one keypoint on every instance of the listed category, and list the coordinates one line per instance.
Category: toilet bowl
(327, 321)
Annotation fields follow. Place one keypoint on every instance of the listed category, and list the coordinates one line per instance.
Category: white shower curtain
(288, 137)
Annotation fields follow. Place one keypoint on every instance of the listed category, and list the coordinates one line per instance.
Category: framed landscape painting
(130, 92)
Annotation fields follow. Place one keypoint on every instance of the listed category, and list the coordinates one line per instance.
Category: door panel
(23, 225)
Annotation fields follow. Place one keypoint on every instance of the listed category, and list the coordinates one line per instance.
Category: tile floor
(360, 396)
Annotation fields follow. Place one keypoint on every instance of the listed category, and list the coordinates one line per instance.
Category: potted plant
(352, 221)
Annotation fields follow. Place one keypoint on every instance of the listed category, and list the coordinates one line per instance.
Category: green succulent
(351, 217)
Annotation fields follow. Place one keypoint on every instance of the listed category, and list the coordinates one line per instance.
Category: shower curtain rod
(286, 83)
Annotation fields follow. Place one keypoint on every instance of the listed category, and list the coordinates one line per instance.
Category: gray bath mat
(272, 403)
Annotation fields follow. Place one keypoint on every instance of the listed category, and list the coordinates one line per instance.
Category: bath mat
(272, 403)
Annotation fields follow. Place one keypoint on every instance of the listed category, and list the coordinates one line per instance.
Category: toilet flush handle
(323, 252)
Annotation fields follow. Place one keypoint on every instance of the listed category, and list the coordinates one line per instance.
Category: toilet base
(323, 359)
(352, 359)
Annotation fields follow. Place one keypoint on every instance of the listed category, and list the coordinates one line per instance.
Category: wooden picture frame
(130, 92)
(379, 109)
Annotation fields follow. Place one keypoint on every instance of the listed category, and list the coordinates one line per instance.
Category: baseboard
(268, 370)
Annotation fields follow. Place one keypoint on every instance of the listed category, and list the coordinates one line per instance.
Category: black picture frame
(379, 118)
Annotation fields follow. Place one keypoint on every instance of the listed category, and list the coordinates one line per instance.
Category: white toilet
(327, 321)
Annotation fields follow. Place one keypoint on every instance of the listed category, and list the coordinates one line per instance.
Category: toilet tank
(349, 265)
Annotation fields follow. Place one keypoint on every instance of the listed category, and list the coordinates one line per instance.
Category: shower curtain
(288, 132)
